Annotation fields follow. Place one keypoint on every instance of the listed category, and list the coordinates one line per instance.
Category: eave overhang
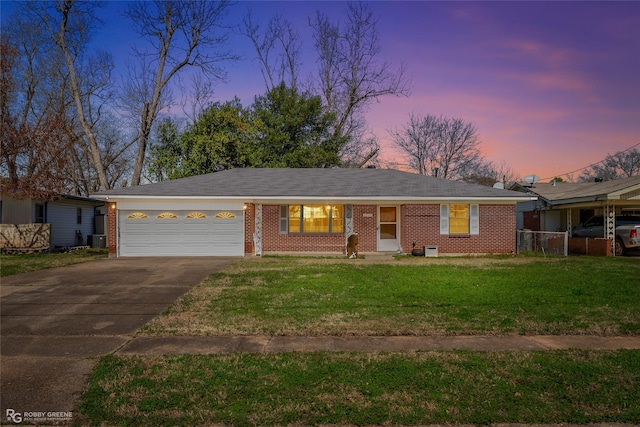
(322, 198)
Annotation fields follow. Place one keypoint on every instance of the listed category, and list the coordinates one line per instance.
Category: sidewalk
(150, 345)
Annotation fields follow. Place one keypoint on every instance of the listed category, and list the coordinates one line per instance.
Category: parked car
(627, 231)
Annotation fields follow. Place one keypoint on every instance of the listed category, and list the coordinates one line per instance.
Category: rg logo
(14, 416)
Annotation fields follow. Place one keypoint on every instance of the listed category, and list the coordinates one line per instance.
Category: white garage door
(181, 233)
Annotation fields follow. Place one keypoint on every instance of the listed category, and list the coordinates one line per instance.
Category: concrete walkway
(55, 322)
(144, 345)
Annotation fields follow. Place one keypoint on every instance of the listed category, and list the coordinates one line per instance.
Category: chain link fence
(547, 242)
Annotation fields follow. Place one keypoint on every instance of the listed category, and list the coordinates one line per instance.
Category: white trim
(322, 199)
(444, 219)
(180, 204)
(283, 219)
(474, 219)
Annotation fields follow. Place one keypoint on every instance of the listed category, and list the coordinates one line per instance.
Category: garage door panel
(142, 233)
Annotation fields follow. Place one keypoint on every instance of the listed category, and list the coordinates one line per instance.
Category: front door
(388, 229)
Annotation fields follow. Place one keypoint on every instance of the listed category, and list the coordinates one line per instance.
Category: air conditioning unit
(97, 240)
(431, 251)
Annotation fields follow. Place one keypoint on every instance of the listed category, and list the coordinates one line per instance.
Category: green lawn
(24, 263)
(289, 296)
(366, 389)
(299, 296)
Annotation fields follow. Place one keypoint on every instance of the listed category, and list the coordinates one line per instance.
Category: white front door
(388, 229)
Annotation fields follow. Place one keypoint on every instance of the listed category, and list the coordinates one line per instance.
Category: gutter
(267, 199)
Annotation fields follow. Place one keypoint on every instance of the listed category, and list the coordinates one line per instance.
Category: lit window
(459, 219)
(313, 218)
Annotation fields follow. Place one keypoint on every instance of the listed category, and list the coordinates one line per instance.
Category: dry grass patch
(24, 263)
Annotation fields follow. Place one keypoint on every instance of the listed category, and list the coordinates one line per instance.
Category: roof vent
(499, 185)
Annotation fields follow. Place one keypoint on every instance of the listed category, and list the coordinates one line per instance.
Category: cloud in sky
(551, 86)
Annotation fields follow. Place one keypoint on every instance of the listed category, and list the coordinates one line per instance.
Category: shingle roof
(563, 191)
(325, 183)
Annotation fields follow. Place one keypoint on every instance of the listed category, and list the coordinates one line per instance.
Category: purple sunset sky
(551, 86)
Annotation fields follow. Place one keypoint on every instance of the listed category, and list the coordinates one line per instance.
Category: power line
(591, 165)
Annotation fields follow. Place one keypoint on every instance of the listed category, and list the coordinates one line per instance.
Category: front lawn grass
(417, 388)
(410, 296)
(24, 263)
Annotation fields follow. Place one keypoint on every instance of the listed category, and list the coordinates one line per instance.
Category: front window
(458, 219)
(316, 219)
(39, 213)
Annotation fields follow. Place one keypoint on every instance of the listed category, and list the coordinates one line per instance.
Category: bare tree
(197, 98)
(70, 24)
(619, 165)
(440, 146)
(488, 173)
(349, 75)
(180, 34)
(60, 81)
(34, 125)
(277, 48)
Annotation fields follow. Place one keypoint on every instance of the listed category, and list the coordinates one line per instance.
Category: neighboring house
(561, 206)
(72, 218)
(259, 211)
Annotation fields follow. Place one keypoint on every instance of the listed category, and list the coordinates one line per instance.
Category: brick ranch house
(261, 211)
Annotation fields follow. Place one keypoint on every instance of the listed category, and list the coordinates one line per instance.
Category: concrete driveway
(54, 322)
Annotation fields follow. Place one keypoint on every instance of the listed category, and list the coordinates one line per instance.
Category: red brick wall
(112, 231)
(419, 223)
(365, 223)
(596, 246)
(273, 241)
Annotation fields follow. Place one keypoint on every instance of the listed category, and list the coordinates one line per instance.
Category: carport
(562, 206)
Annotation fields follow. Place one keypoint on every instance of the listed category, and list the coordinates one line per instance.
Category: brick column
(112, 233)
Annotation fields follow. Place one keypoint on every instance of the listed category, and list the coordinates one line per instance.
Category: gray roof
(565, 191)
(271, 183)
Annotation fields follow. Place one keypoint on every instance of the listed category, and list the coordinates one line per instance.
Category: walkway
(264, 344)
